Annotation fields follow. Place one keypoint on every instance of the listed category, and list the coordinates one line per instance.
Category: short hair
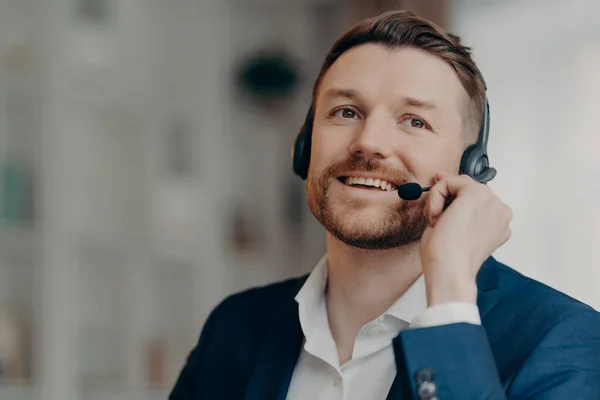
(397, 29)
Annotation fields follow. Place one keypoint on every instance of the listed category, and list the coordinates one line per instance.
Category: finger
(435, 205)
(509, 214)
(440, 193)
(454, 184)
(506, 235)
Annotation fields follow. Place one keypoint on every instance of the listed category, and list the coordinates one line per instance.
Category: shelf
(130, 245)
(17, 392)
(122, 394)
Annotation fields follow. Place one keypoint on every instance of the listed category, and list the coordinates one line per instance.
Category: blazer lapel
(279, 354)
(487, 282)
(400, 388)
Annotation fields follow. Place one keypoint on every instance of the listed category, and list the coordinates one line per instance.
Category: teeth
(380, 183)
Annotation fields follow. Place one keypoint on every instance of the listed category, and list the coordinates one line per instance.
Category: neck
(363, 284)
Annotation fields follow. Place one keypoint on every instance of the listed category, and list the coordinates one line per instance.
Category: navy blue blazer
(534, 343)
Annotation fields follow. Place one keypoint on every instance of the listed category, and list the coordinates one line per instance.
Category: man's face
(391, 115)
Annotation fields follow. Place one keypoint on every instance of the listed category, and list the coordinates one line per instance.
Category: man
(408, 302)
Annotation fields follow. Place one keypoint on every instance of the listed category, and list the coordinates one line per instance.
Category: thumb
(436, 201)
(441, 193)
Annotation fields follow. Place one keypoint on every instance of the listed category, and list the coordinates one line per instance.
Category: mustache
(368, 165)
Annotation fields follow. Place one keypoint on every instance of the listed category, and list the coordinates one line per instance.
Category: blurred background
(145, 167)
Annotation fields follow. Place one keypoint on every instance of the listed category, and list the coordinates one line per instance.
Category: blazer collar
(280, 351)
(487, 283)
(283, 343)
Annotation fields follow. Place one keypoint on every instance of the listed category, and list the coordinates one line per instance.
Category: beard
(401, 224)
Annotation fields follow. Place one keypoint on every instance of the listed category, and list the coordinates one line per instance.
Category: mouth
(376, 184)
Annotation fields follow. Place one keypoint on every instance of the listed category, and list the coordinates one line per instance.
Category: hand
(461, 237)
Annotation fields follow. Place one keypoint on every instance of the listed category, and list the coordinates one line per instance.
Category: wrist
(444, 289)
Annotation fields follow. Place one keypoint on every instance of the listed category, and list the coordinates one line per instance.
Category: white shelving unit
(126, 255)
(113, 270)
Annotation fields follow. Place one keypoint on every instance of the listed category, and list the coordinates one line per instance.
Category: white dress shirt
(370, 372)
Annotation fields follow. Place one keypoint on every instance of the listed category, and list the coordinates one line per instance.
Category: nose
(372, 141)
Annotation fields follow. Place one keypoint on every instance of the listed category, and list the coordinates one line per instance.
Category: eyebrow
(335, 93)
(352, 94)
(414, 102)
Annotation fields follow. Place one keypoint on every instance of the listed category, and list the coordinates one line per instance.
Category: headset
(474, 162)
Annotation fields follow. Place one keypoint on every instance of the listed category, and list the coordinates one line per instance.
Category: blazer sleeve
(565, 364)
(456, 362)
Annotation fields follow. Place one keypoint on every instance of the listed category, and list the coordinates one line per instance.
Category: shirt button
(337, 381)
(427, 391)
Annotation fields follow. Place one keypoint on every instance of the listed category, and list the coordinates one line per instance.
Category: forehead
(380, 73)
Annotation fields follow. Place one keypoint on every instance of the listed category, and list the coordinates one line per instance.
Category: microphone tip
(410, 191)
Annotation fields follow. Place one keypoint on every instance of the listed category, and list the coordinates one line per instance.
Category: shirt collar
(411, 303)
(312, 293)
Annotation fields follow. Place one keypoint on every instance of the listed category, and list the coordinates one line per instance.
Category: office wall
(541, 61)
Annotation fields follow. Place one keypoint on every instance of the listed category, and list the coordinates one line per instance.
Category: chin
(368, 240)
(367, 231)
(369, 221)
(374, 228)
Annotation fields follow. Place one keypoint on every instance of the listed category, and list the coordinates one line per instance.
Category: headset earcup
(466, 161)
(301, 154)
(474, 161)
(301, 149)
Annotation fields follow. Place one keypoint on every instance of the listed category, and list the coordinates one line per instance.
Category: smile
(368, 183)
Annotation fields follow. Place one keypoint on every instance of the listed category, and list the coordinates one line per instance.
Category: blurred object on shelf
(268, 77)
(246, 231)
(156, 358)
(12, 349)
(294, 198)
(176, 210)
(179, 147)
(15, 193)
(17, 131)
(16, 59)
(95, 11)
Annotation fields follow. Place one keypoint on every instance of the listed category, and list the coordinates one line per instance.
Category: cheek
(327, 150)
(317, 156)
(426, 161)
(451, 158)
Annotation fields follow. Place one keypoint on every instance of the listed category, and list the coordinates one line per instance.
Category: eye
(415, 122)
(345, 113)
